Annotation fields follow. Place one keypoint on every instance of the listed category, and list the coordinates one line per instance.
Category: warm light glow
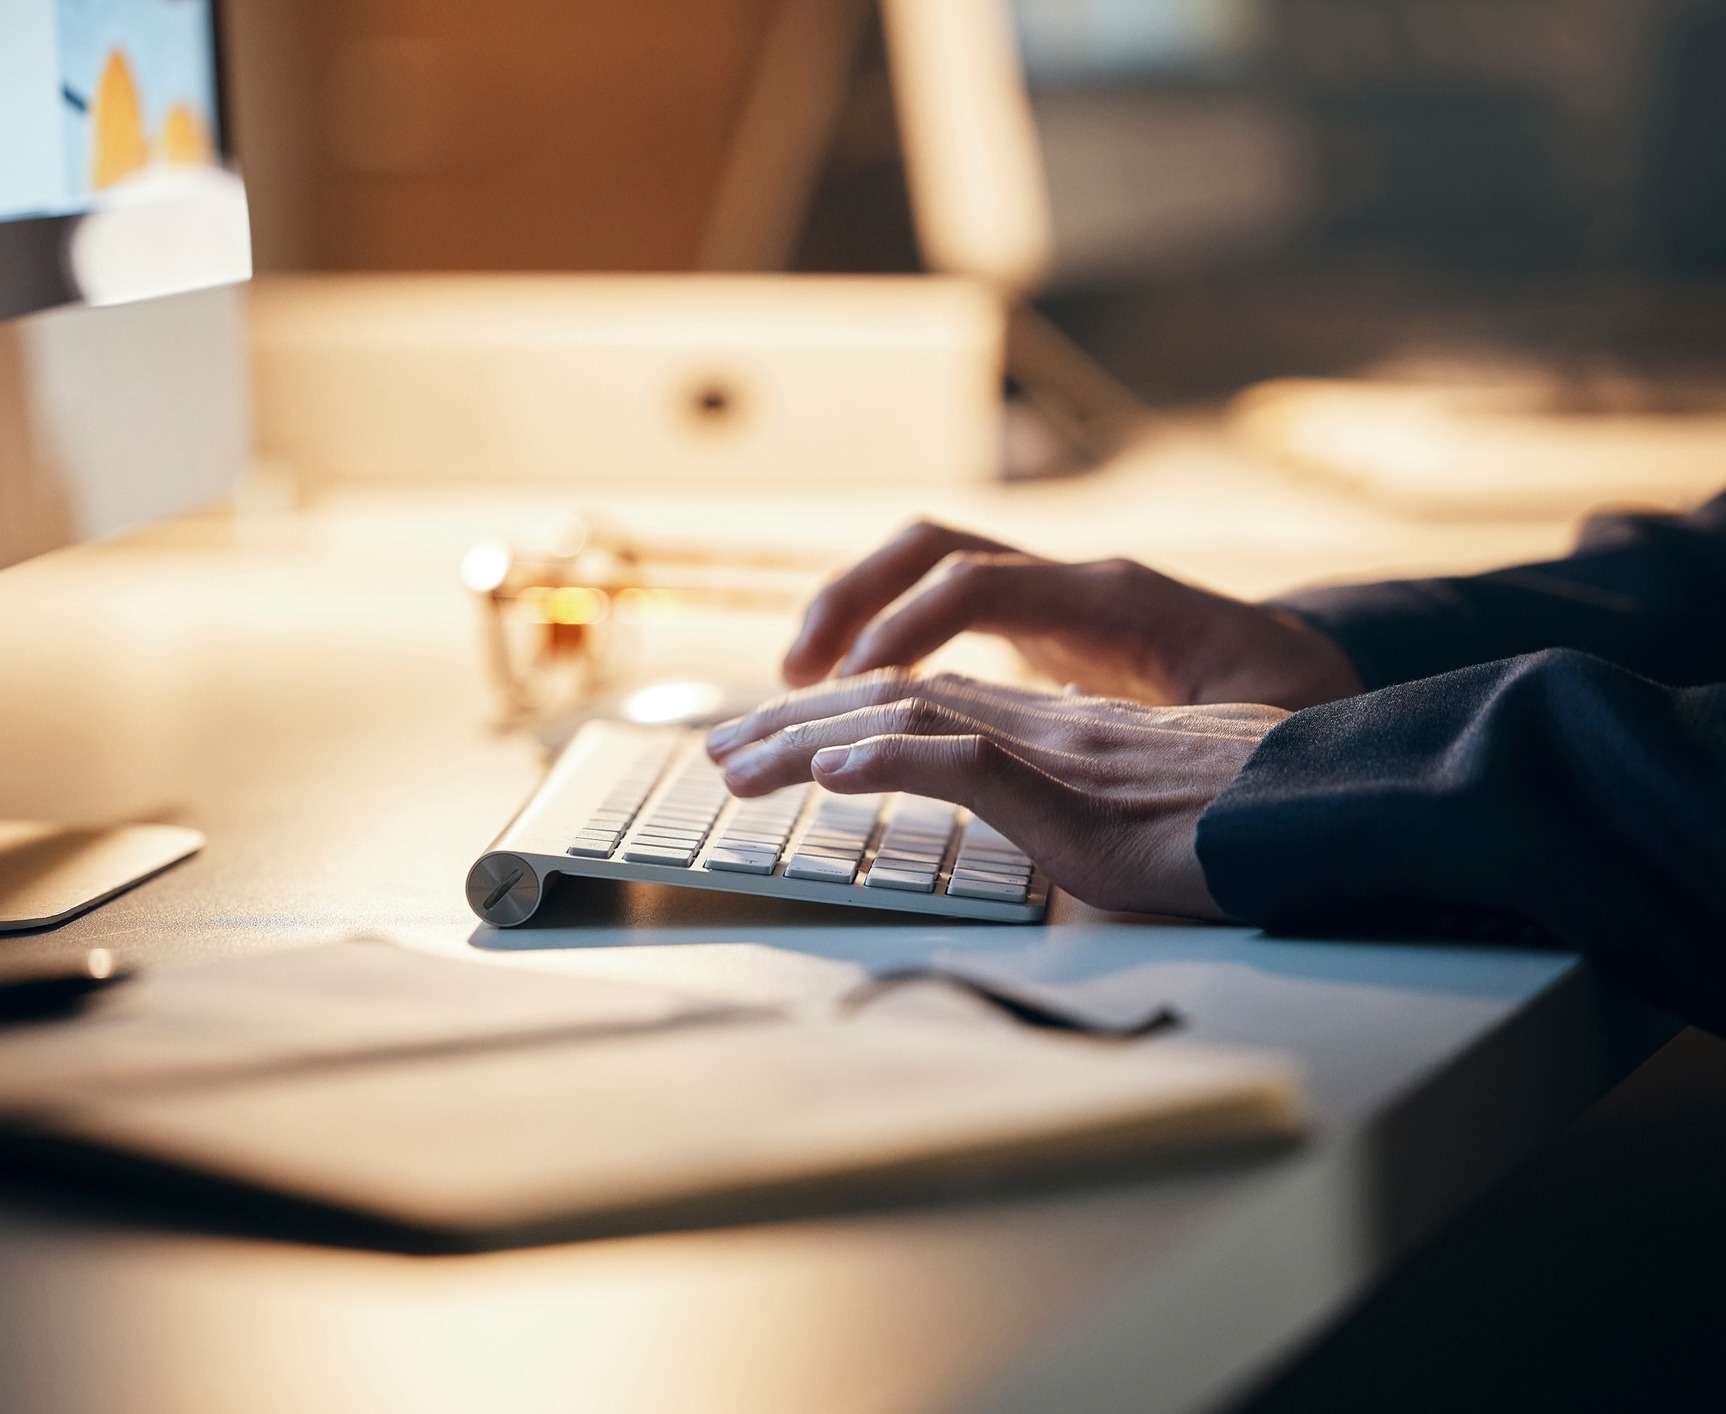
(640, 603)
(672, 702)
(486, 566)
(568, 605)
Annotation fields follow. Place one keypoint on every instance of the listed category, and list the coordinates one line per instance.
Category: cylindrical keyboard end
(503, 889)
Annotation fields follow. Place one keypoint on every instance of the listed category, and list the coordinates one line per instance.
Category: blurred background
(1242, 189)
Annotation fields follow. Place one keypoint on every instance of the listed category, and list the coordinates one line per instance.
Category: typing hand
(1112, 627)
(1104, 795)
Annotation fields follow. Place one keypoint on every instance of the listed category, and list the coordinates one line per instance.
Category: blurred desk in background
(305, 687)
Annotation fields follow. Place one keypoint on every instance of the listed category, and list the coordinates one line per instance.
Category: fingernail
(830, 759)
(721, 737)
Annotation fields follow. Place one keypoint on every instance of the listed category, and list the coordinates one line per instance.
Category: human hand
(1111, 627)
(1104, 795)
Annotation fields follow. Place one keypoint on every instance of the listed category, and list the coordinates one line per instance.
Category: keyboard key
(935, 830)
(983, 876)
(988, 859)
(741, 861)
(662, 840)
(996, 890)
(999, 856)
(821, 867)
(659, 854)
(828, 851)
(1003, 873)
(593, 849)
(911, 881)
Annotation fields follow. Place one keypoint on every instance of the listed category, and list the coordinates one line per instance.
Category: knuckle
(975, 753)
(916, 715)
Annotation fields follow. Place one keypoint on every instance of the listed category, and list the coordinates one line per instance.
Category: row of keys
(913, 846)
(833, 845)
(912, 849)
(755, 835)
(680, 821)
(598, 837)
(989, 866)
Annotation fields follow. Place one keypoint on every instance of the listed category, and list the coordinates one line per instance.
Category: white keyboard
(645, 804)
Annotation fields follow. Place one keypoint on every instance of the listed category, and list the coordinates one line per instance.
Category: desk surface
(306, 690)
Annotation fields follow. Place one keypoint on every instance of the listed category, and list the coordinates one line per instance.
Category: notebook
(457, 1104)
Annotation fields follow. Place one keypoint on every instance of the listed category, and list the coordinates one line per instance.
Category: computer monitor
(114, 187)
(114, 182)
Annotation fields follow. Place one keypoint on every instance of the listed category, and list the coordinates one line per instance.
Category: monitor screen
(112, 180)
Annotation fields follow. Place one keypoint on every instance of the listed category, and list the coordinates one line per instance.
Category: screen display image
(97, 93)
(112, 181)
(137, 88)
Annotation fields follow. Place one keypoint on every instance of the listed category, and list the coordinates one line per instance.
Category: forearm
(1554, 791)
(1648, 594)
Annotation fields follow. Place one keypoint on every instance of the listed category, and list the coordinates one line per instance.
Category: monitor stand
(52, 872)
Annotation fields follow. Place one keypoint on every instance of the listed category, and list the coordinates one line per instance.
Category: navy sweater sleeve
(1647, 593)
(1556, 793)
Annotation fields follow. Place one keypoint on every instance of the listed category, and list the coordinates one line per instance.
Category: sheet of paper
(465, 1099)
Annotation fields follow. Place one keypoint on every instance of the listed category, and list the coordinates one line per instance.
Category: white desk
(307, 692)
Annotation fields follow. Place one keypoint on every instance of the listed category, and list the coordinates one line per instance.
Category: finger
(1004, 789)
(783, 758)
(971, 590)
(809, 704)
(835, 615)
(1021, 711)
(1080, 752)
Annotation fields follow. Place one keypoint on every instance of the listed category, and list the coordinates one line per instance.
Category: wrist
(1319, 671)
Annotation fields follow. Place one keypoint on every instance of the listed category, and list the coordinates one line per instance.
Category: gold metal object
(560, 627)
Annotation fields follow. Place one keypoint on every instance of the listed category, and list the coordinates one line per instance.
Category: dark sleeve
(1645, 592)
(1554, 793)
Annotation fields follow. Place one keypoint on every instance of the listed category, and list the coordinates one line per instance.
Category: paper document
(484, 1104)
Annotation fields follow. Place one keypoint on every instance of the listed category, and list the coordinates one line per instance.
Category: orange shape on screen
(119, 147)
(185, 136)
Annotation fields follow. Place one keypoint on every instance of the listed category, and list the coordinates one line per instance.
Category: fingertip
(830, 760)
(805, 662)
(739, 779)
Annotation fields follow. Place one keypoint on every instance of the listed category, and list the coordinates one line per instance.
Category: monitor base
(50, 873)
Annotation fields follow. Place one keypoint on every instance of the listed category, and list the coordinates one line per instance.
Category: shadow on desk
(1078, 949)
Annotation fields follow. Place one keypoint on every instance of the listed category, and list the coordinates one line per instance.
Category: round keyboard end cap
(503, 889)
